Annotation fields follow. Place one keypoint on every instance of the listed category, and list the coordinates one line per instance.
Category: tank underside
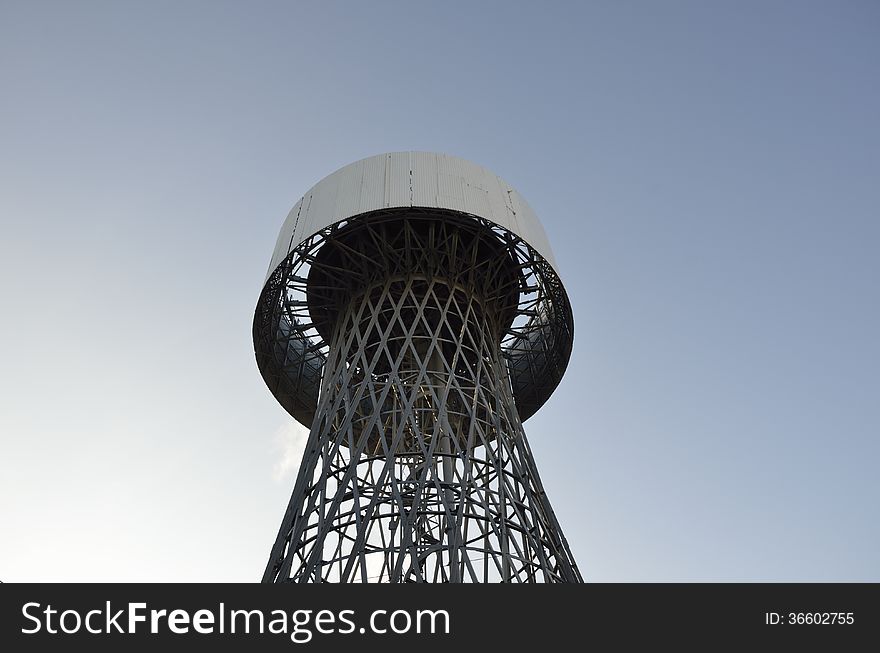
(291, 332)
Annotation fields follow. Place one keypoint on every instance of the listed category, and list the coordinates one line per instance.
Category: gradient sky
(708, 174)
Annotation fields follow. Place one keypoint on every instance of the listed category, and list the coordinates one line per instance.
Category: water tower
(412, 318)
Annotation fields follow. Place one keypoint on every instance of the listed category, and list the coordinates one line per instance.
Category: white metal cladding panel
(477, 201)
(399, 182)
(372, 193)
(509, 205)
(349, 192)
(321, 206)
(410, 179)
(284, 244)
(455, 178)
(450, 193)
(424, 178)
(528, 226)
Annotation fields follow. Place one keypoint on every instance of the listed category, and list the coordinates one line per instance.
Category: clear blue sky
(707, 172)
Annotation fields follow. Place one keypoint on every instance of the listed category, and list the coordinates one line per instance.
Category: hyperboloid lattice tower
(413, 318)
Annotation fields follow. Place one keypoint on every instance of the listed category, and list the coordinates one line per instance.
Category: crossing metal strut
(429, 337)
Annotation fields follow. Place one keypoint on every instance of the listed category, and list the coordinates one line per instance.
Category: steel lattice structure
(414, 340)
